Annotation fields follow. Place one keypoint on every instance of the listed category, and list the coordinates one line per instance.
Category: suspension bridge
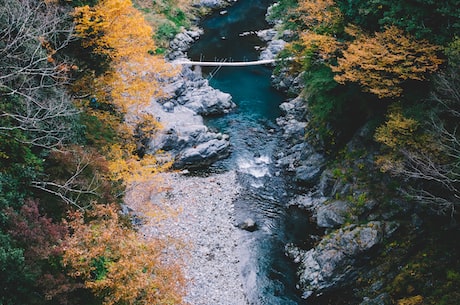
(184, 61)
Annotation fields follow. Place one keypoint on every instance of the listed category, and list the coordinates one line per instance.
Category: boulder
(272, 49)
(267, 35)
(206, 100)
(181, 43)
(333, 215)
(210, 3)
(248, 224)
(188, 88)
(333, 262)
(310, 169)
(295, 108)
(202, 154)
(185, 138)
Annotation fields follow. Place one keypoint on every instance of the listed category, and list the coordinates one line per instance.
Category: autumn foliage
(381, 63)
(319, 15)
(115, 29)
(62, 152)
(117, 263)
(43, 239)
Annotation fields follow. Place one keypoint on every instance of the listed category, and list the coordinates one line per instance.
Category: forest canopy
(73, 78)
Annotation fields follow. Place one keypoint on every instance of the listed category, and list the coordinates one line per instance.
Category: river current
(269, 276)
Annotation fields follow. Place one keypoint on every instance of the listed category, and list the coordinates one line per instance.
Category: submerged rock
(249, 225)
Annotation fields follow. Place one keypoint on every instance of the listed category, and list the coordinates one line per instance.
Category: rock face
(333, 262)
(185, 139)
(332, 215)
(181, 42)
(298, 157)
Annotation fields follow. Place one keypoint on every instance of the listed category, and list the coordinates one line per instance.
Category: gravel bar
(204, 221)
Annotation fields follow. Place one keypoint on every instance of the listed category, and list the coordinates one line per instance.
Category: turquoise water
(226, 38)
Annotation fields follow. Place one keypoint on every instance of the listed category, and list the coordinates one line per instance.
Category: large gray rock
(293, 121)
(272, 49)
(295, 108)
(267, 35)
(309, 169)
(191, 90)
(206, 100)
(211, 3)
(333, 214)
(202, 154)
(185, 139)
(381, 299)
(332, 263)
(298, 156)
(181, 43)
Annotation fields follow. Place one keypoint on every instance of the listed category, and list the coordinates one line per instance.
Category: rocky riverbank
(184, 138)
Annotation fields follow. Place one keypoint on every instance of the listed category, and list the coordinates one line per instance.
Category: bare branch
(33, 99)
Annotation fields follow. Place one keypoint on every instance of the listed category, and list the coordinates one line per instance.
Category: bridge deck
(224, 64)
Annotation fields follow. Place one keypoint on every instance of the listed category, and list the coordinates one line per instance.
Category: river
(269, 276)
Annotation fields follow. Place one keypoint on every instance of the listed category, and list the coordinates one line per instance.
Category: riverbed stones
(199, 213)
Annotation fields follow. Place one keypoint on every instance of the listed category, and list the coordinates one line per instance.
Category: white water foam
(257, 167)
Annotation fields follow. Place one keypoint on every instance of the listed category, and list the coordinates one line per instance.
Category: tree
(118, 264)
(320, 22)
(320, 16)
(383, 62)
(114, 28)
(77, 176)
(436, 21)
(425, 155)
(40, 238)
(33, 101)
